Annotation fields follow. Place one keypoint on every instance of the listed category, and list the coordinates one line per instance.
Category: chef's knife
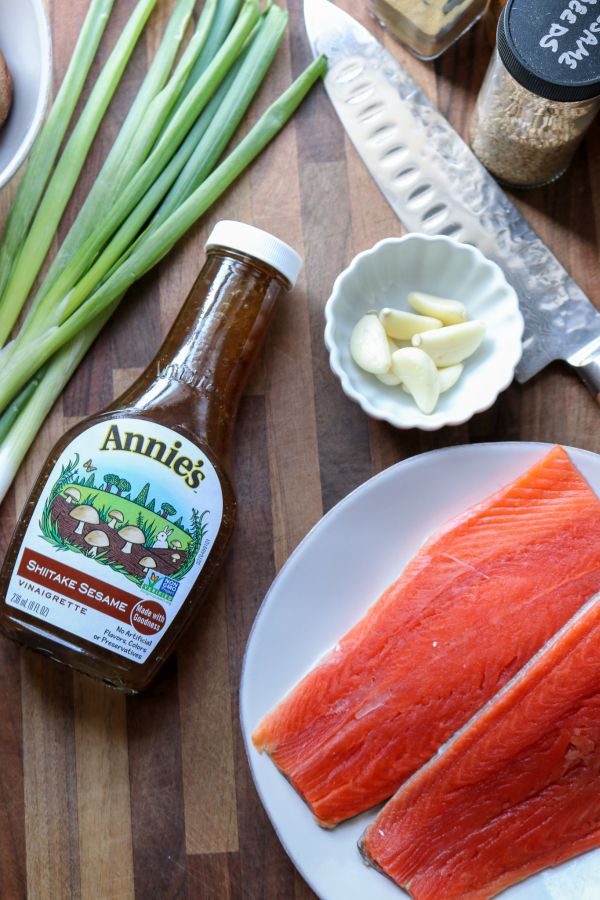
(436, 185)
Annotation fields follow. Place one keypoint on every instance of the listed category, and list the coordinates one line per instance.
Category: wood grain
(102, 797)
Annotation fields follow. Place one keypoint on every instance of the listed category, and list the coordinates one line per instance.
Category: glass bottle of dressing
(132, 513)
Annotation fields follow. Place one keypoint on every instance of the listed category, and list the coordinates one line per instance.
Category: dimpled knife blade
(435, 185)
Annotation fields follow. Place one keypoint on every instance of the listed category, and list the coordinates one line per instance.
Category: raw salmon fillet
(472, 607)
(515, 791)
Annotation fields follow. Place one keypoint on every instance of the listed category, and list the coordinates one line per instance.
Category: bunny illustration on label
(138, 517)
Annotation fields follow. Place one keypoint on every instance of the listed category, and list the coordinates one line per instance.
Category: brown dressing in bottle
(133, 511)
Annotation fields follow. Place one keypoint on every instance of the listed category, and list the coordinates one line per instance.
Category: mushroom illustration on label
(84, 515)
(146, 562)
(115, 516)
(96, 540)
(131, 535)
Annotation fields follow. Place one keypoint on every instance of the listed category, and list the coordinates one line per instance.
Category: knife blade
(436, 185)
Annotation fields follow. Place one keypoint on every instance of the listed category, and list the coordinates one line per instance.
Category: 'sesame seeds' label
(119, 535)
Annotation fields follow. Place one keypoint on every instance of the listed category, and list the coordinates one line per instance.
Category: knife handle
(589, 373)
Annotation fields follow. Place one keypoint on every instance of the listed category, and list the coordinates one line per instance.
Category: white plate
(26, 43)
(329, 581)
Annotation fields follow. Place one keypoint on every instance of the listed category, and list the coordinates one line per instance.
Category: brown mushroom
(6, 90)
(85, 515)
(131, 535)
(176, 545)
(72, 495)
(96, 539)
(146, 562)
(114, 516)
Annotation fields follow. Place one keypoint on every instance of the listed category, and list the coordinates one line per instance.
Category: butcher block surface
(108, 798)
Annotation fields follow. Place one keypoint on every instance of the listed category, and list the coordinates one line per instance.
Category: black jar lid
(548, 47)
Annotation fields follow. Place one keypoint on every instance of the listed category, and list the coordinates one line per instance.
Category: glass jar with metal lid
(427, 27)
(541, 91)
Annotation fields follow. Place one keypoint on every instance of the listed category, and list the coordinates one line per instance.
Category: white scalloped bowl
(27, 46)
(384, 276)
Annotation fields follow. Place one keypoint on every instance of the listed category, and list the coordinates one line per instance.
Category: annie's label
(119, 535)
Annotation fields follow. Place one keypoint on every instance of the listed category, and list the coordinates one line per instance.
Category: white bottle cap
(260, 244)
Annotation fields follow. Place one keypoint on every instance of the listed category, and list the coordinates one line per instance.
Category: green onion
(173, 135)
(226, 14)
(47, 145)
(26, 361)
(120, 163)
(230, 112)
(248, 76)
(148, 114)
(211, 134)
(22, 421)
(12, 412)
(60, 187)
(162, 105)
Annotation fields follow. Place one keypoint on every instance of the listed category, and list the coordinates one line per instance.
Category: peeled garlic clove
(449, 312)
(369, 346)
(390, 378)
(418, 373)
(453, 344)
(403, 325)
(449, 376)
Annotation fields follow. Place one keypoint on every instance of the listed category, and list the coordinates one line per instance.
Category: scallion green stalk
(26, 361)
(210, 134)
(48, 311)
(230, 112)
(120, 162)
(162, 105)
(201, 159)
(46, 147)
(226, 14)
(60, 187)
(21, 422)
(147, 115)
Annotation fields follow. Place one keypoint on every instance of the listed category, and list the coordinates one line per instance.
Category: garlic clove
(453, 344)
(403, 325)
(390, 378)
(449, 376)
(418, 373)
(449, 312)
(369, 346)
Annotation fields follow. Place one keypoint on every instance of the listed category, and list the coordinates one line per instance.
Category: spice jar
(541, 91)
(427, 27)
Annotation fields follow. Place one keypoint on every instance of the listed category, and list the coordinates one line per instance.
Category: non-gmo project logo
(161, 585)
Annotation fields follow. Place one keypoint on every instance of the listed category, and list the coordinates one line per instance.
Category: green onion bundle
(165, 169)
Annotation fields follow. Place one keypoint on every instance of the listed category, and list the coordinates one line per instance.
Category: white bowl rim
(22, 152)
(375, 412)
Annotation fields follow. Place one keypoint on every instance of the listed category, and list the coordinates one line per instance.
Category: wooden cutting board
(105, 798)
